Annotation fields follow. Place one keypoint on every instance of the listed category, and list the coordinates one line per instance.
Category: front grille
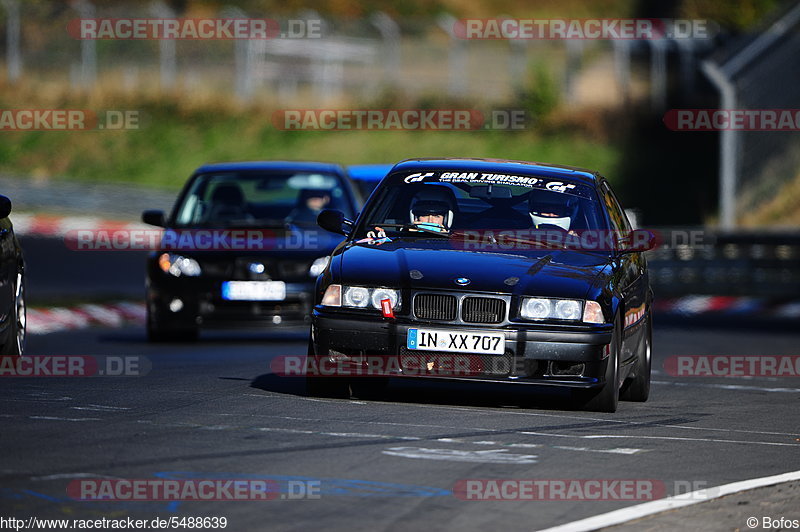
(483, 310)
(243, 270)
(216, 268)
(283, 270)
(435, 307)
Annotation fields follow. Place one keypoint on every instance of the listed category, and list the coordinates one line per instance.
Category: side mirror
(154, 217)
(637, 241)
(5, 206)
(335, 222)
(634, 216)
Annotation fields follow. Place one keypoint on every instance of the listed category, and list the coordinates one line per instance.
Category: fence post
(88, 70)
(241, 56)
(622, 67)
(686, 50)
(658, 73)
(390, 32)
(458, 57)
(166, 47)
(574, 58)
(727, 147)
(13, 55)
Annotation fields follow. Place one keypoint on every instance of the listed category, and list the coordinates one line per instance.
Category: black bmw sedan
(241, 246)
(473, 269)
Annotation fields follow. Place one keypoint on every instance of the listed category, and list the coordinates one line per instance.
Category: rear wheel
(637, 387)
(324, 386)
(606, 398)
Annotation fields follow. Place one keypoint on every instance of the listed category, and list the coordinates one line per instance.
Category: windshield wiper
(415, 227)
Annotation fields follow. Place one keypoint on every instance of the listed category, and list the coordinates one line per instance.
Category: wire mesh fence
(313, 58)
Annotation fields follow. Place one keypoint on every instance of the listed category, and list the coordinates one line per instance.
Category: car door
(633, 283)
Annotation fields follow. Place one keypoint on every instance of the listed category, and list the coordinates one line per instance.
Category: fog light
(175, 305)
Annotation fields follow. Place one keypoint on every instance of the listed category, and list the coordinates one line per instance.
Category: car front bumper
(534, 354)
(201, 304)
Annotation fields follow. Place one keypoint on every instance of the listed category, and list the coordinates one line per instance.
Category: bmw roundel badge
(462, 281)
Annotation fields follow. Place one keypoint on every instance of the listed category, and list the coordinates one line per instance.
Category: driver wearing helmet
(431, 215)
(431, 210)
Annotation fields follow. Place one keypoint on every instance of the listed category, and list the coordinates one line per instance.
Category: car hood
(434, 264)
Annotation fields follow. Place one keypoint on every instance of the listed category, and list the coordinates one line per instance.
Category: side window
(619, 221)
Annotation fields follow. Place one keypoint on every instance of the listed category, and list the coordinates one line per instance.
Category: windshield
(261, 198)
(451, 202)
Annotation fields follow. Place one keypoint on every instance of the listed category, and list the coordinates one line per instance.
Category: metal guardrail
(697, 261)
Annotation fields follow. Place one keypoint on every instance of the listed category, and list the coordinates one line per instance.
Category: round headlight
(356, 296)
(536, 308)
(318, 266)
(379, 294)
(567, 309)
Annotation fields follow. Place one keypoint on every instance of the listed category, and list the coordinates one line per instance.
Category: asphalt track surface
(214, 409)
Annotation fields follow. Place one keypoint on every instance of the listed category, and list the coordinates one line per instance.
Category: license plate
(486, 343)
(254, 290)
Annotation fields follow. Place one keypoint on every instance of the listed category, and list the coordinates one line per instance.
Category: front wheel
(606, 398)
(637, 387)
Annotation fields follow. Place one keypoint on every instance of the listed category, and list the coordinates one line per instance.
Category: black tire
(158, 332)
(637, 387)
(606, 398)
(16, 336)
(317, 386)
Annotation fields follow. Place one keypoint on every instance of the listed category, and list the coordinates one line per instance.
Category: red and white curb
(727, 306)
(57, 319)
(58, 226)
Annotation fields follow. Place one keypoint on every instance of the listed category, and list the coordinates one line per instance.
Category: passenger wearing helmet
(552, 208)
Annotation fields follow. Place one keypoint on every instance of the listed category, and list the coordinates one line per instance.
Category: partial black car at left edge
(12, 286)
